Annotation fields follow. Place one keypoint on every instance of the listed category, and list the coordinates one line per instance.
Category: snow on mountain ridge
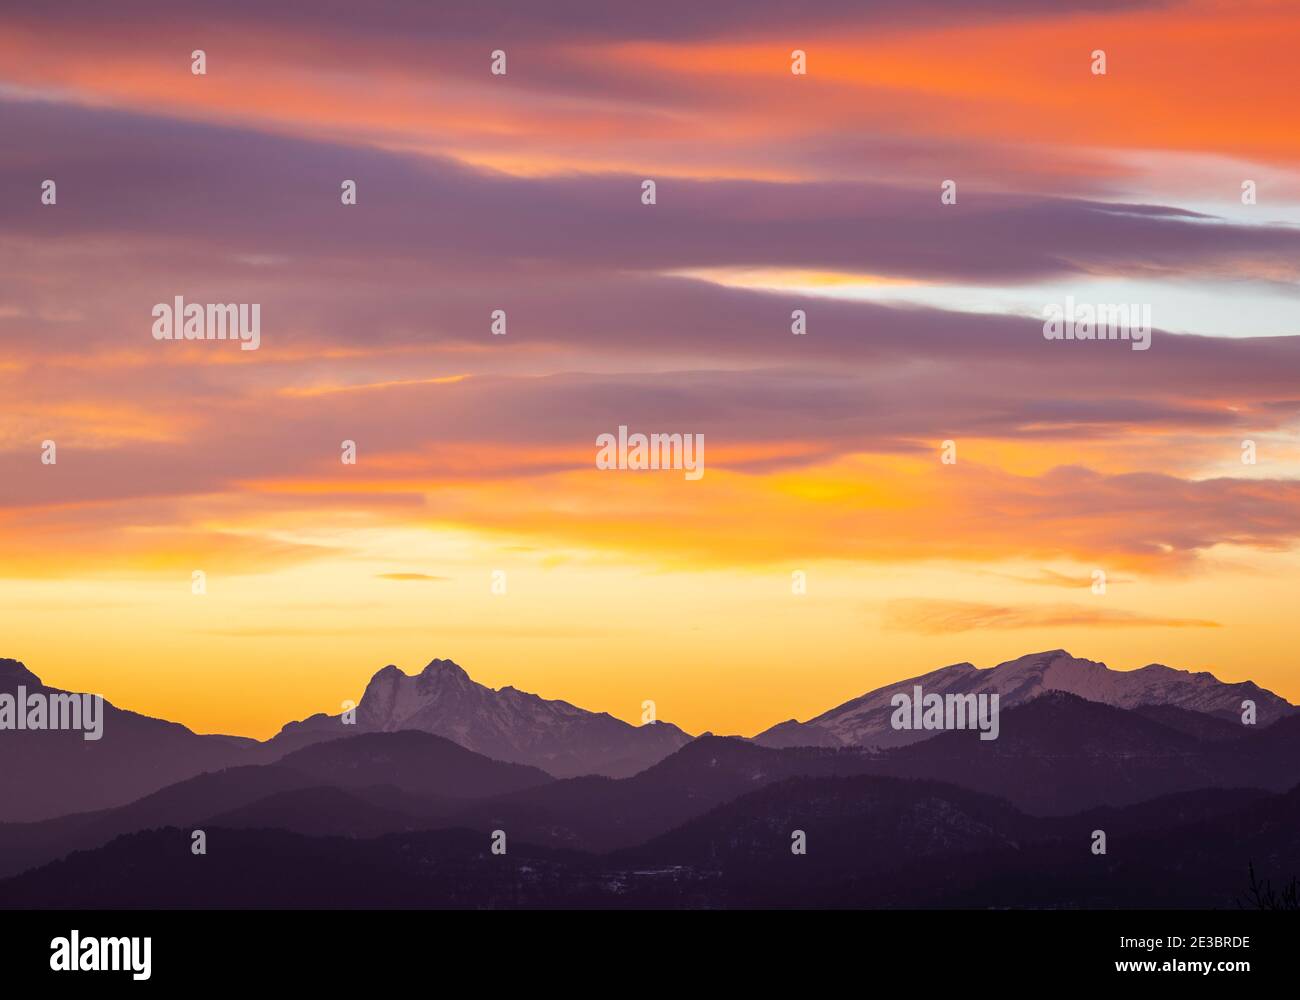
(864, 721)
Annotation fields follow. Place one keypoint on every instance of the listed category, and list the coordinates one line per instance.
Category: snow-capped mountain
(505, 724)
(864, 721)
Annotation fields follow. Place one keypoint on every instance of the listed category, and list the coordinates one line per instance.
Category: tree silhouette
(1262, 895)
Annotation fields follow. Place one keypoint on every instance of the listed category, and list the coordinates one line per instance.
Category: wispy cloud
(940, 617)
(412, 577)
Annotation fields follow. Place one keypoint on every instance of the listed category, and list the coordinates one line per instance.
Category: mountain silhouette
(865, 721)
(600, 814)
(56, 773)
(59, 773)
(409, 779)
(870, 842)
(408, 791)
(247, 868)
(878, 842)
(53, 772)
(319, 811)
(416, 762)
(1059, 753)
(507, 725)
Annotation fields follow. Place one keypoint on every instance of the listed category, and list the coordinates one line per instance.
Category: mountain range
(864, 721)
(59, 772)
(871, 842)
(599, 812)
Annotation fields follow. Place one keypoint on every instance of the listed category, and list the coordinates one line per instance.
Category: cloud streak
(939, 617)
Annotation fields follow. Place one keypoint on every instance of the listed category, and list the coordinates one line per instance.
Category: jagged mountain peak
(444, 668)
(506, 724)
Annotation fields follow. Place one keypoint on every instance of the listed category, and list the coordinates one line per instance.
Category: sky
(775, 191)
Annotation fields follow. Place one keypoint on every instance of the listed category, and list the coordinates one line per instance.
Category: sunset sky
(522, 192)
